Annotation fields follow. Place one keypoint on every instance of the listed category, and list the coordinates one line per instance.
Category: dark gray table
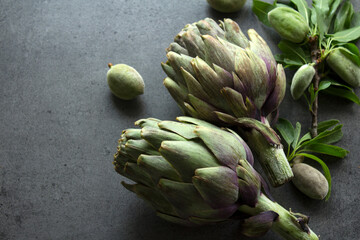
(59, 124)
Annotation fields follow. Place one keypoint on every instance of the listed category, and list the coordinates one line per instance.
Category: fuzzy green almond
(227, 6)
(124, 81)
(289, 23)
(348, 70)
(301, 80)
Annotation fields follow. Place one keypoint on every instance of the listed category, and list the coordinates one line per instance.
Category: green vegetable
(310, 181)
(301, 80)
(227, 6)
(124, 81)
(341, 63)
(216, 74)
(289, 23)
(194, 173)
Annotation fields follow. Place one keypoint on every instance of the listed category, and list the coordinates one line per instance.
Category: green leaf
(322, 126)
(305, 138)
(343, 18)
(303, 9)
(355, 21)
(261, 10)
(292, 51)
(324, 168)
(353, 51)
(324, 85)
(334, 6)
(327, 136)
(348, 94)
(322, 8)
(312, 94)
(313, 16)
(326, 149)
(348, 35)
(296, 135)
(286, 130)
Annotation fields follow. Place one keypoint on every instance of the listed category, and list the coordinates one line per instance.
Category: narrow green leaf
(343, 93)
(313, 17)
(304, 138)
(286, 130)
(296, 135)
(303, 8)
(327, 136)
(324, 125)
(324, 168)
(261, 10)
(355, 21)
(343, 17)
(322, 8)
(348, 35)
(326, 149)
(353, 50)
(334, 6)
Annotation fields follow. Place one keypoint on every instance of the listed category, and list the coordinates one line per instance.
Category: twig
(316, 58)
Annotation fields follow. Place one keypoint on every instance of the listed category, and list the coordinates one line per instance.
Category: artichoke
(216, 74)
(194, 173)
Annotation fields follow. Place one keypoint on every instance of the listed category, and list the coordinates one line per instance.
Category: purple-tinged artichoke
(216, 74)
(194, 173)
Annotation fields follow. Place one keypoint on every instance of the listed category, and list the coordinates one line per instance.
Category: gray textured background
(59, 124)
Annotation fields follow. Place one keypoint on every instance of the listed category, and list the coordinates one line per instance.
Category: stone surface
(59, 123)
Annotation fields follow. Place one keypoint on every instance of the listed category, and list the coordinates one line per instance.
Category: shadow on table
(132, 108)
(148, 226)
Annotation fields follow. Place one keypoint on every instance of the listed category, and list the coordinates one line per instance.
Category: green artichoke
(216, 74)
(194, 173)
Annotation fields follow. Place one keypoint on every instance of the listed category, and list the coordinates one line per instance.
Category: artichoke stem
(287, 225)
(272, 159)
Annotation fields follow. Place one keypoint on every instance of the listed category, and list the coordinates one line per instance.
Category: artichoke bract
(348, 70)
(194, 173)
(124, 81)
(301, 80)
(227, 6)
(216, 74)
(289, 23)
(310, 181)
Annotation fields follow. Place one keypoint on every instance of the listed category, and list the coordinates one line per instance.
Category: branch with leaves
(330, 29)
(319, 42)
(299, 148)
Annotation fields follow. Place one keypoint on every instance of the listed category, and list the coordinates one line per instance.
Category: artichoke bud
(340, 62)
(124, 81)
(289, 23)
(233, 33)
(301, 80)
(310, 181)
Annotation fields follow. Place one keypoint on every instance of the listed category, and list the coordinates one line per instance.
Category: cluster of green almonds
(292, 26)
